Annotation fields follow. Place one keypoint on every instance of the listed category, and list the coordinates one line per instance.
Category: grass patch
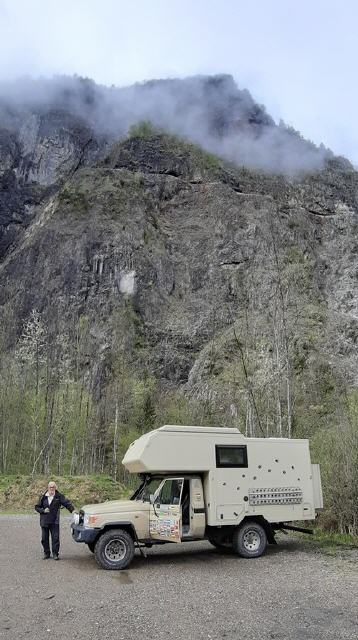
(332, 544)
(6, 482)
(143, 129)
(73, 199)
(336, 539)
(176, 145)
(16, 512)
(20, 493)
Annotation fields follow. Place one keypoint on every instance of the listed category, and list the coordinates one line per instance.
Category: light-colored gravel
(188, 591)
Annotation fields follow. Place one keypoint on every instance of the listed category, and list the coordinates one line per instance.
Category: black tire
(114, 549)
(91, 546)
(250, 540)
(221, 546)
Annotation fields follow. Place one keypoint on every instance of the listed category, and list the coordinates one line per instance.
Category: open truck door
(165, 522)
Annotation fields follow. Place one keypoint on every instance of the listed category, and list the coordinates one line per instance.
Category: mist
(210, 111)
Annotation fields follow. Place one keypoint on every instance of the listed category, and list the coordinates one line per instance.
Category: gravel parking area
(188, 591)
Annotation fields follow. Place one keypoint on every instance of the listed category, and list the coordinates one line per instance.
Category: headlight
(89, 520)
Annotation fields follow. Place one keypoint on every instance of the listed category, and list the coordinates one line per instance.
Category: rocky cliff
(230, 288)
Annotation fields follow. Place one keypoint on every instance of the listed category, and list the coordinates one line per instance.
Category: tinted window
(231, 456)
(171, 490)
(148, 489)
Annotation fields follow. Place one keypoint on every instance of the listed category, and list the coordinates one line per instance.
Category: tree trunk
(115, 442)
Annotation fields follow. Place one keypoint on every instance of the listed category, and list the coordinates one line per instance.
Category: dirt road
(185, 592)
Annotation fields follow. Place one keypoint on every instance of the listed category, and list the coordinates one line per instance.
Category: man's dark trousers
(54, 530)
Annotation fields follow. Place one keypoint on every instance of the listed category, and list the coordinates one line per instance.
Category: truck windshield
(149, 488)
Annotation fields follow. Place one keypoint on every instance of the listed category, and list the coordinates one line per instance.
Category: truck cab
(198, 483)
(162, 509)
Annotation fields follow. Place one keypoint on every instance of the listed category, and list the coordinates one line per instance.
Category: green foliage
(74, 198)
(177, 146)
(336, 449)
(199, 157)
(328, 539)
(52, 419)
(143, 129)
(21, 492)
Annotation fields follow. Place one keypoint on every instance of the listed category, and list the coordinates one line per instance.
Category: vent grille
(277, 495)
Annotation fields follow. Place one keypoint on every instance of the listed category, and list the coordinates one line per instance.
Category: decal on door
(167, 523)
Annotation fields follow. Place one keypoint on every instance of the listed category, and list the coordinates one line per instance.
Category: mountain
(169, 254)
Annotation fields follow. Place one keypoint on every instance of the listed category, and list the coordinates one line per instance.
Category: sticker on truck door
(165, 513)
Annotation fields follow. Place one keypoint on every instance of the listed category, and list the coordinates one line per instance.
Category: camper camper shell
(206, 483)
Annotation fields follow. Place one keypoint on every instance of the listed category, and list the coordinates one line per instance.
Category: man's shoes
(46, 557)
(55, 556)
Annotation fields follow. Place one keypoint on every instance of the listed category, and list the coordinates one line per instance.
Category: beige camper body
(204, 483)
(276, 481)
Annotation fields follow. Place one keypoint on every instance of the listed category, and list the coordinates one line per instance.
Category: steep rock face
(37, 153)
(52, 146)
(190, 244)
(222, 277)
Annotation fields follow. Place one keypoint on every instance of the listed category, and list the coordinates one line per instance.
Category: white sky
(298, 58)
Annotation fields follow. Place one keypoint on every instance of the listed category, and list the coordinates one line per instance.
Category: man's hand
(47, 510)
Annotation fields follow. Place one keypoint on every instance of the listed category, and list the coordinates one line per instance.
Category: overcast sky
(298, 58)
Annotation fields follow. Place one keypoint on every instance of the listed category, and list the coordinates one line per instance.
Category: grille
(277, 495)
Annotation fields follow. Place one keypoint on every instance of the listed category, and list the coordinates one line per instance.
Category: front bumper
(81, 534)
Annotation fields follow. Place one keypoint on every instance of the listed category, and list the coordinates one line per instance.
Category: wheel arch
(121, 524)
(270, 533)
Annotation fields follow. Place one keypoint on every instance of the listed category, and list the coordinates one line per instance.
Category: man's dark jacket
(53, 517)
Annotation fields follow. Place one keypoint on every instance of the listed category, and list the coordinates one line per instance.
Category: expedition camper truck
(204, 483)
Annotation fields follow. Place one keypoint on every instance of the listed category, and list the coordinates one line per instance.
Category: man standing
(48, 507)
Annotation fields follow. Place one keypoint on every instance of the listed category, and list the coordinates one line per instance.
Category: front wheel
(114, 549)
(250, 540)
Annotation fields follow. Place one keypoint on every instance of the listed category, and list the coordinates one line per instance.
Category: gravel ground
(190, 591)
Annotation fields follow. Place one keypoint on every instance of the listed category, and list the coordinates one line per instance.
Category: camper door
(165, 512)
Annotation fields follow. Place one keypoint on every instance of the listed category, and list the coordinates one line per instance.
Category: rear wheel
(250, 540)
(114, 549)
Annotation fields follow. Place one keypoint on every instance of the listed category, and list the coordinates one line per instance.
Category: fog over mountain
(210, 111)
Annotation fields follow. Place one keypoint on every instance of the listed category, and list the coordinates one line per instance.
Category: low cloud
(208, 110)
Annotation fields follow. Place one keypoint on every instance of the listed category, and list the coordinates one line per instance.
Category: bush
(337, 451)
(144, 129)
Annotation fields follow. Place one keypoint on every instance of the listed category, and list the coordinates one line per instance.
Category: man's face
(51, 488)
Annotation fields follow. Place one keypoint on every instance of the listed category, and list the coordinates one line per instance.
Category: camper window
(231, 455)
